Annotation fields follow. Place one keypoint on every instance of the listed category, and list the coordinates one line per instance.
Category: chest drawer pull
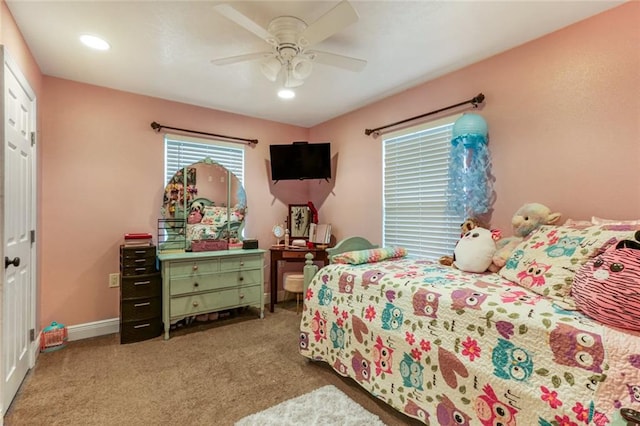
(196, 284)
(140, 251)
(142, 325)
(140, 260)
(142, 283)
(241, 263)
(195, 267)
(141, 269)
(195, 304)
(241, 278)
(138, 305)
(241, 296)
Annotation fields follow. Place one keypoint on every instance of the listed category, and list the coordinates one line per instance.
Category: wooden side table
(290, 255)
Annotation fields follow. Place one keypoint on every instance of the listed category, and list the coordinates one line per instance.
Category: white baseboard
(93, 329)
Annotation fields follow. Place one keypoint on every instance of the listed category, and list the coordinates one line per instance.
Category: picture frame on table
(299, 221)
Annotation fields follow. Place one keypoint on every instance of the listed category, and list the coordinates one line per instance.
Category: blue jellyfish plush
(470, 187)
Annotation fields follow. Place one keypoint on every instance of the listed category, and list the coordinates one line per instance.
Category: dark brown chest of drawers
(140, 294)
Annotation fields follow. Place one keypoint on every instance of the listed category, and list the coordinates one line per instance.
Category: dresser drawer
(137, 331)
(194, 268)
(139, 309)
(140, 286)
(223, 299)
(237, 263)
(294, 254)
(139, 270)
(137, 252)
(138, 261)
(210, 282)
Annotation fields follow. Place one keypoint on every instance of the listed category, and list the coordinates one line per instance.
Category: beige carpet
(211, 374)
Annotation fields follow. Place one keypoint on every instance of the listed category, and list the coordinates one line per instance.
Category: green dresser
(210, 281)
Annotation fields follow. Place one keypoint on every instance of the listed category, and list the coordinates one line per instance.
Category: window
(415, 179)
(180, 151)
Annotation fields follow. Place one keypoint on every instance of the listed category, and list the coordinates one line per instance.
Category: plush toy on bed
(474, 252)
(607, 287)
(527, 219)
(466, 226)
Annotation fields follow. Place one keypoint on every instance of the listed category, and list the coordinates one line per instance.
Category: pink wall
(103, 176)
(564, 127)
(565, 108)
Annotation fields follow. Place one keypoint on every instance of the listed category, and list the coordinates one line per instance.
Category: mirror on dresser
(204, 208)
(204, 268)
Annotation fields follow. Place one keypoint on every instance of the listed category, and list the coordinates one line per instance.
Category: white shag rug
(325, 406)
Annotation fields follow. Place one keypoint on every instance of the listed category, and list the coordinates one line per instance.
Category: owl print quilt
(455, 348)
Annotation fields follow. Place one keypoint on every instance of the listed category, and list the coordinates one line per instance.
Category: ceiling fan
(290, 38)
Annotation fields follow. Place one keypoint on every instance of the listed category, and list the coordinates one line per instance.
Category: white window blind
(416, 174)
(180, 151)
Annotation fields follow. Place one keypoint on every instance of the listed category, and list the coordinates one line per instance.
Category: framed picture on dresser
(299, 221)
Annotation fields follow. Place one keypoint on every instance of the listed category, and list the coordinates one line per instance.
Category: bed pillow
(607, 287)
(571, 223)
(547, 260)
(357, 257)
(600, 221)
(214, 215)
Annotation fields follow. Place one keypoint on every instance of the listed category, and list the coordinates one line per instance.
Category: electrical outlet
(114, 280)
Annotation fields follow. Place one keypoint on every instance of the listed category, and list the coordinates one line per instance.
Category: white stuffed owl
(474, 251)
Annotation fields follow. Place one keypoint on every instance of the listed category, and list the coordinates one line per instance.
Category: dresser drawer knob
(241, 263)
(196, 284)
(142, 325)
(142, 283)
(241, 296)
(195, 267)
(195, 304)
(241, 278)
(139, 305)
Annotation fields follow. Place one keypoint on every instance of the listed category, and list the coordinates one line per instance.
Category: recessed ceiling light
(94, 42)
(286, 94)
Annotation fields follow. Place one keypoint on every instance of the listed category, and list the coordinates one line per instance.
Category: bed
(451, 347)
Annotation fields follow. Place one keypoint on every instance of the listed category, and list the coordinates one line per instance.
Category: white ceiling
(164, 48)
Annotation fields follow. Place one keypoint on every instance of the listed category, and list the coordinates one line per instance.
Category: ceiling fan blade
(233, 15)
(335, 60)
(335, 20)
(241, 58)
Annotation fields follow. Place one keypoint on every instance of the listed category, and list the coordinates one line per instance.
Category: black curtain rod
(474, 101)
(157, 127)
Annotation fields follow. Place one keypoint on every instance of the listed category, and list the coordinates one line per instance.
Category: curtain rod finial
(156, 126)
(478, 99)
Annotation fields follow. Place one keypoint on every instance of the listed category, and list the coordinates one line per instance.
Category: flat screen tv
(300, 160)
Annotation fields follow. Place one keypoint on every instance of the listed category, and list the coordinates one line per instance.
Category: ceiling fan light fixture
(290, 81)
(271, 68)
(286, 94)
(301, 68)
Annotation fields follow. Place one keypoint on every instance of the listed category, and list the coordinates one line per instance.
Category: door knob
(14, 262)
